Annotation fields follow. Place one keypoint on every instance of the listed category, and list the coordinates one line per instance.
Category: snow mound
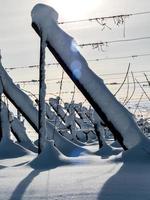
(2, 167)
(68, 148)
(134, 155)
(107, 151)
(9, 149)
(115, 144)
(79, 143)
(29, 145)
(50, 158)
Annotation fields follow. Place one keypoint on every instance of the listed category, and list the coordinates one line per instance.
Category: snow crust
(88, 177)
(49, 158)
(9, 149)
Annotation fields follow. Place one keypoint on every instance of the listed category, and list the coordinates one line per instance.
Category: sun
(73, 9)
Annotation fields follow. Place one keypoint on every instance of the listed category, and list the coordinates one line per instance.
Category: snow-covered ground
(89, 176)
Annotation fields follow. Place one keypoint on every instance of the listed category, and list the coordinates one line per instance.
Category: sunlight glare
(74, 9)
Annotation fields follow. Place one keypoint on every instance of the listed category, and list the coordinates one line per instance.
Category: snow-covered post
(1, 91)
(54, 103)
(42, 94)
(18, 112)
(5, 123)
(64, 48)
(99, 130)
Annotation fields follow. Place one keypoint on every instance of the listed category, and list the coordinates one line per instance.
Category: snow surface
(9, 149)
(89, 177)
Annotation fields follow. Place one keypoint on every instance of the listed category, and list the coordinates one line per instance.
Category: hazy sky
(20, 44)
(17, 38)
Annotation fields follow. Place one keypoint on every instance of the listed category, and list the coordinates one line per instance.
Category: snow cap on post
(0, 56)
(1, 85)
(43, 15)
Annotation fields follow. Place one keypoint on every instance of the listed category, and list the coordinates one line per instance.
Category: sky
(19, 43)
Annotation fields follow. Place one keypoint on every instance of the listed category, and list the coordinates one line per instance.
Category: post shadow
(22, 186)
(2, 167)
(38, 166)
(131, 182)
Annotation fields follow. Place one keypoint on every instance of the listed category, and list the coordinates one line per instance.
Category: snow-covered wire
(61, 84)
(137, 106)
(58, 97)
(113, 41)
(31, 93)
(123, 80)
(71, 101)
(73, 93)
(88, 60)
(134, 88)
(143, 90)
(84, 101)
(127, 94)
(147, 79)
(114, 17)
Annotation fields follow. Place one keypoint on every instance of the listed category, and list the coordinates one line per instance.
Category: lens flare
(76, 69)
